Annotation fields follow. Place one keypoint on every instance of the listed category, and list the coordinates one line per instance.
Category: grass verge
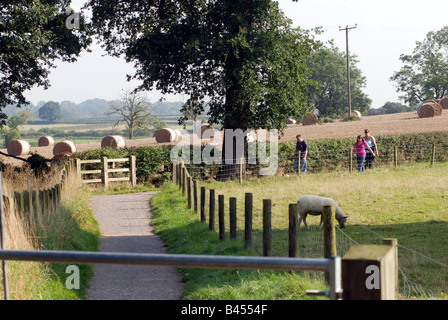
(182, 232)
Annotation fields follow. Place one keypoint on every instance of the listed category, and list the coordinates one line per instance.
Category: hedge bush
(154, 164)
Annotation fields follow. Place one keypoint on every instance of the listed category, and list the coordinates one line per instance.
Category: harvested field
(381, 125)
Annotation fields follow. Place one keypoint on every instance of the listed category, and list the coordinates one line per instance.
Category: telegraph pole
(347, 28)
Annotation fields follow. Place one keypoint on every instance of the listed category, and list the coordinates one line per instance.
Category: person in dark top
(302, 148)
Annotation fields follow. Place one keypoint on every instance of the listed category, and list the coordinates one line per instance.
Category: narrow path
(124, 222)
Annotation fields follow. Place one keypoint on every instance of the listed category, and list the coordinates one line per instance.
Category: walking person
(302, 148)
(360, 148)
(372, 144)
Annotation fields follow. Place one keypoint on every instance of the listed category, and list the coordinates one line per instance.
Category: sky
(385, 29)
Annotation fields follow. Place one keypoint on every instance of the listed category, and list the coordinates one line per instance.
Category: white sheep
(310, 204)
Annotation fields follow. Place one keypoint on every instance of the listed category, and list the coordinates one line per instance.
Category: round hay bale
(444, 102)
(18, 148)
(65, 146)
(206, 131)
(178, 134)
(438, 108)
(426, 110)
(165, 135)
(357, 113)
(309, 120)
(115, 142)
(45, 142)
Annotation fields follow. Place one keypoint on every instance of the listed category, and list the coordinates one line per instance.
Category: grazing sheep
(314, 205)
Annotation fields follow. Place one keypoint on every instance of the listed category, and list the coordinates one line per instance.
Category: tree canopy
(50, 111)
(33, 34)
(241, 56)
(425, 72)
(330, 72)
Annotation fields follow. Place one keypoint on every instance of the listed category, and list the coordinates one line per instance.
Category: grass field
(409, 203)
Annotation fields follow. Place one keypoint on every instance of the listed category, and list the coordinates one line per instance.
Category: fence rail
(105, 170)
(331, 265)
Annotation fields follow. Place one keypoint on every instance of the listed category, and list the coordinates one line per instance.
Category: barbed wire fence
(311, 239)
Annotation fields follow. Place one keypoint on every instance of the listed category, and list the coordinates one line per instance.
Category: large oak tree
(241, 56)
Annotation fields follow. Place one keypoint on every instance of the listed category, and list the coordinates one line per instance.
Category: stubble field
(381, 125)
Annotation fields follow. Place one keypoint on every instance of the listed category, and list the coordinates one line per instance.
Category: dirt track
(399, 123)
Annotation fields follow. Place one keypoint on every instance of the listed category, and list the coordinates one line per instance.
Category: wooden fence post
(189, 191)
(184, 177)
(232, 213)
(248, 210)
(394, 244)
(211, 219)
(174, 173)
(105, 177)
(78, 169)
(395, 156)
(202, 204)
(351, 160)
(133, 169)
(195, 196)
(328, 216)
(293, 230)
(433, 157)
(221, 222)
(267, 228)
(369, 272)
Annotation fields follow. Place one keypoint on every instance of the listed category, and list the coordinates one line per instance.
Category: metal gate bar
(330, 265)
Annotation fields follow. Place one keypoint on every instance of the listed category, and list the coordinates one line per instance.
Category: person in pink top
(360, 149)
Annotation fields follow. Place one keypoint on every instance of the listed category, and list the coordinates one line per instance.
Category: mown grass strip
(182, 232)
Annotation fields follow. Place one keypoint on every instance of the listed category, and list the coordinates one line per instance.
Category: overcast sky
(385, 29)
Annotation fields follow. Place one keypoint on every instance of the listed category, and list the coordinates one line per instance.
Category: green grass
(182, 232)
(72, 228)
(409, 203)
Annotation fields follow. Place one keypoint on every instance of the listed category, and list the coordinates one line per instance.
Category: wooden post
(394, 244)
(78, 169)
(232, 213)
(189, 198)
(248, 210)
(202, 204)
(174, 174)
(351, 160)
(195, 196)
(267, 228)
(221, 222)
(328, 216)
(179, 175)
(395, 156)
(133, 169)
(369, 272)
(293, 230)
(433, 157)
(184, 177)
(211, 218)
(105, 177)
(241, 171)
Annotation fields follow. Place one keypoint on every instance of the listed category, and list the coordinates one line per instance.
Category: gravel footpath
(124, 222)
